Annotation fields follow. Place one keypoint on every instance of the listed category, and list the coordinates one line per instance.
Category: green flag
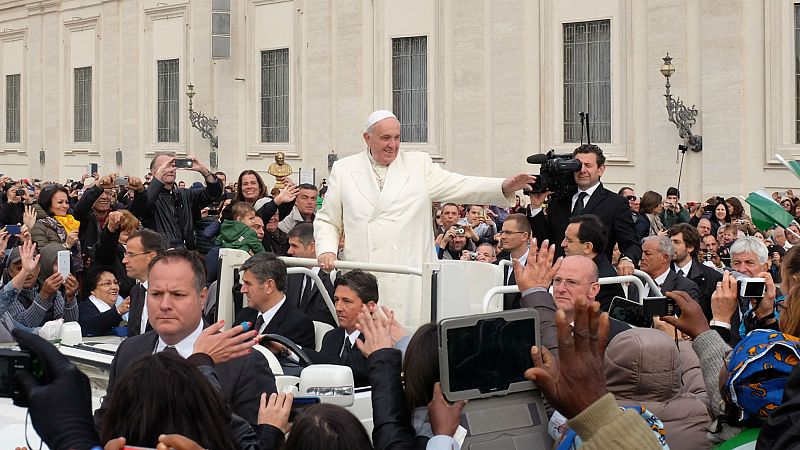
(793, 166)
(766, 212)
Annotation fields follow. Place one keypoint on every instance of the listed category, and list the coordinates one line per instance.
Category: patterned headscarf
(758, 369)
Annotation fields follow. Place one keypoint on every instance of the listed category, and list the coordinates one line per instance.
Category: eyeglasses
(131, 255)
(503, 232)
(569, 284)
(630, 197)
(106, 284)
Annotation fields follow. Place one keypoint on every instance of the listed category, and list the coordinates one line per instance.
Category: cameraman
(591, 198)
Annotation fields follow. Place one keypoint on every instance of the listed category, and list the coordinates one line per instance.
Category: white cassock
(394, 225)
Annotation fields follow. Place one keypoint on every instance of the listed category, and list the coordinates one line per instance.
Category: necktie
(578, 208)
(347, 350)
(680, 272)
(308, 282)
(259, 323)
(171, 350)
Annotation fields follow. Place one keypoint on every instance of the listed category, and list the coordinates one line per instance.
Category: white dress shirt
(186, 346)
(590, 192)
(144, 308)
(685, 268)
(270, 313)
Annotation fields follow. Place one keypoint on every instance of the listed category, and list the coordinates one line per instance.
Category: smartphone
(63, 263)
(183, 163)
(629, 312)
(13, 230)
(122, 181)
(213, 212)
(751, 287)
(660, 306)
(301, 403)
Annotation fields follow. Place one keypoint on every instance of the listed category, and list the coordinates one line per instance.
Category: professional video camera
(557, 174)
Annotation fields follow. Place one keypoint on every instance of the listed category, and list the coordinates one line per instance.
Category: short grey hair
(750, 244)
(489, 246)
(664, 245)
(265, 266)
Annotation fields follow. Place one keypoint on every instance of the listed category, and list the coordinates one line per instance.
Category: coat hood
(643, 364)
(232, 230)
(40, 212)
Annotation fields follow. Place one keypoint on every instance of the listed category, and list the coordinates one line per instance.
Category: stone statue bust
(279, 169)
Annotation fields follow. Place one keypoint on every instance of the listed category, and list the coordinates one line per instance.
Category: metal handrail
(317, 282)
(636, 279)
(348, 265)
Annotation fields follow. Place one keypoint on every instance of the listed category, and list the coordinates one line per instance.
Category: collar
(685, 268)
(661, 278)
(145, 283)
(270, 313)
(589, 191)
(101, 305)
(186, 346)
(372, 160)
(353, 337)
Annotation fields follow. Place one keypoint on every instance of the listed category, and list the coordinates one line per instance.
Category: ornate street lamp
(679, 114)
(205, 125)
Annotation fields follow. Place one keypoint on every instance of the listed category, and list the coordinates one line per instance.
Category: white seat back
(230, 259)
(454, 288)
(272, 360)
(320, 328)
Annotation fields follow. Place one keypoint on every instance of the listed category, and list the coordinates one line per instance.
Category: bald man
(571, 277)
(381, 199)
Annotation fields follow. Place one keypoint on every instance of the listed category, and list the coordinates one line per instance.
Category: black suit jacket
(512, 300)
(607, 291)
(673, 282)
(137, 295)
(242, 380)
(314, 306)
(706, 280)
(613, 211)
(330, 353)
(288, 322)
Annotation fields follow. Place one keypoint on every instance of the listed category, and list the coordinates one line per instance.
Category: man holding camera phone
(170, 210)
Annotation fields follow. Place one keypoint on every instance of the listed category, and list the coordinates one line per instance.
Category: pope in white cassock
(381, 200)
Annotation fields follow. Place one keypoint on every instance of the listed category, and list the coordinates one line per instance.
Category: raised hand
(114, 218)
(445, 417)
(539, 269)
(286, 195)
(29, 217)
(226, 345)
(164, 169)
(376, 328)
(275, 411)
(575, 379)
(692, 321)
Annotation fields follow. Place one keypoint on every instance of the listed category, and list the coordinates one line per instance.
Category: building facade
(479, 84)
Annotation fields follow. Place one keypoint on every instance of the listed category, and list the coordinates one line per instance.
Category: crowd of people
(143, 256)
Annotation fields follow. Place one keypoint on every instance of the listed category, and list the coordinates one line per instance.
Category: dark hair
(521, 221)
(327, 426)
(591, 148)
(266, 266)
(303, 231)
(591, 229)
(241, 209)
(623, 189)
(155, 157)
(649, 202)
(262, 187)
(308, 186)
(691, 237)
(450, 204)
(178, 254)
(151, 241)
(92, 276)
(364, 284)
(156, 395)
(46, 196)
(720, 201)
(738, 209)
(421, 366)
(673, 191)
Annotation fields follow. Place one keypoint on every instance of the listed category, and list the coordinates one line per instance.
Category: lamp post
(205, 125)
(679, 114)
